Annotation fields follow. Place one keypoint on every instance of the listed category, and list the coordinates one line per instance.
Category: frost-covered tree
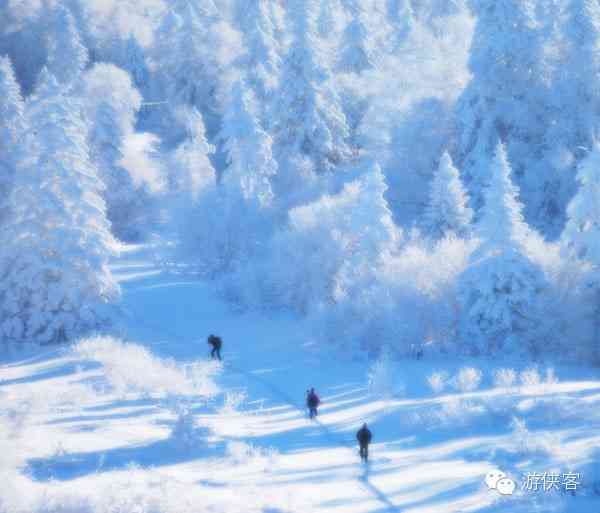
(581, 248)
(447, 210)
(357, 52)
(111, 105)
(12, 124)
(194, 47)
(262, 60)
(133, 59)
(236, 215)
(500, 292)
(582, 32)
(507, 99)
(307, 116)
(333, 245)
(248, 147)
(190, 169)
(328, 21)
(67, 55)
(402, 18)
(54, 277)
(582, 232)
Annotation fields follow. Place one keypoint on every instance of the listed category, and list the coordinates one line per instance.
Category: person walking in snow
(364, 439)
(216, 344)
(312, 402)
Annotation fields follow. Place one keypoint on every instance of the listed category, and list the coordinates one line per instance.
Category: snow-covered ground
(145, 423)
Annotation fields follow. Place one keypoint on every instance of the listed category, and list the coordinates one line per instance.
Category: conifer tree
(67, 55)
(309, 126)
(357, 52)
(447, 210)
(194, 47)
(12, 124)
(262, 60)
(111, 105)
(582, 231)
(582, 32)
(251, 165)
(502, 102)
(499, 293)
(54, 278)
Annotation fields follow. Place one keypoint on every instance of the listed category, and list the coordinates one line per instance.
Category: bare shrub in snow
(186, 434)
(451, 413)
(505, 378)
(527, 443)
(438, 381)
(530, 377)
(233, 401)
(380, 378)
(468, 379)
(130, 368)
(241, 453)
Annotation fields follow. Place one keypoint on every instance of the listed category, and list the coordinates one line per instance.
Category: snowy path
(277, 395)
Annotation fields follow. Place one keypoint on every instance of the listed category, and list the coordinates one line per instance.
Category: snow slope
(147, 424)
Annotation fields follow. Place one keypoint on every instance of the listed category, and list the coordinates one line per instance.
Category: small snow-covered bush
(527, 443)
(438, 381)
(530, 377)
(550, 378)
(505, 378)
(468, 379)
(380, 378)
(131, 368)
(241, 453)
(186, 434)
(233, 401)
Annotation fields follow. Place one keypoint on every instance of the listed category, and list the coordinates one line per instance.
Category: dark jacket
(313, 400)
(216, 342)
(364, 436)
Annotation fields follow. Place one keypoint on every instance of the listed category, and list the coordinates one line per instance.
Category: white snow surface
(144, 422)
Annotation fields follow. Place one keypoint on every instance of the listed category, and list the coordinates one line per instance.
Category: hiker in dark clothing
(216, 344)
(364, 439)
(312, 402)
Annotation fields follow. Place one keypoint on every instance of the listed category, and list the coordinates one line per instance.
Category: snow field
(109, 426)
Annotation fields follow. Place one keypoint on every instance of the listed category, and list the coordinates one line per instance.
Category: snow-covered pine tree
(500, 291)
(357, 52)
(236, 214)
(581, 236)
(582, 31)
(447, 211)
(372, 229)
(67, 55)
(183, 51)
(581, 243)
(12, 124)
(54, 278)
(111, 105)
(328, 21)
(261, 60)
(190, 170)
(333, 245)
(402, 18)
(307, 117)
(133, 60)
(248, 147)
(193, 49)
(507, 99)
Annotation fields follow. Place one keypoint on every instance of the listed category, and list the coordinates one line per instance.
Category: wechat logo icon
(497, 480)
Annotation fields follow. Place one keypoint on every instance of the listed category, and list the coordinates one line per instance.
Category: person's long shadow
(159, 453)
